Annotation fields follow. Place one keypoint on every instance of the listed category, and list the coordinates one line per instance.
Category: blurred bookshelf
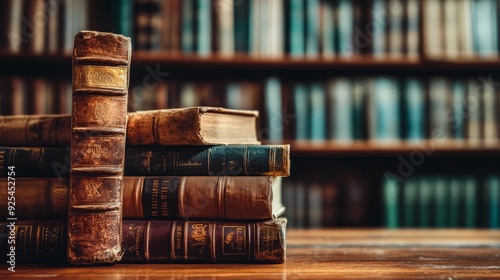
(353, 86)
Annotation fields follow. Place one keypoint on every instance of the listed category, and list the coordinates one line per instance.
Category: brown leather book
(191, 197)
(160, 241)
(101, 66)
(184, 126)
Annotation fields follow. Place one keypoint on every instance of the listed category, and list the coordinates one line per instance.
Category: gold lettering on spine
(178, 237)
(98, 76)
(164, 197)
(267, 239)
(23, 241)
(154, 198)
(136, 233)
(234, 238)
(2, 160)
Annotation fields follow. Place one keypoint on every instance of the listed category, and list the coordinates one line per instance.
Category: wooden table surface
(330, 254)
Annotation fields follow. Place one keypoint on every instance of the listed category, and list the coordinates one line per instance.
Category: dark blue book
(441, 202)
(241, 26)
(425, 201)
(379, 45)
(485, 27)
(274, 118)
(459, 103)
(492, 201)
(301, 103)
(296, 28)
(456, 196)
(384, 108)
(204, 27)
(470, 202)
(340, 93)
(188, 34)
(410, 199)
(317, 121)
(414, 98)
(328, 27)
(391, 203)
(312, 22)
(345, 19)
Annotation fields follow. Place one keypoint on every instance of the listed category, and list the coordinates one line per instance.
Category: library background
(391, 108)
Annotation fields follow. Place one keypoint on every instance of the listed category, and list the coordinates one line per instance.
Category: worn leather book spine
(251, 160)
(176, 126)
(35, 130)
(150, 241)
(101, 64)
(192, 197)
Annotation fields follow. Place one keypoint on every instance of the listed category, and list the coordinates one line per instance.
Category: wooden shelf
(367, 148)
(57, 64)
(325, 254)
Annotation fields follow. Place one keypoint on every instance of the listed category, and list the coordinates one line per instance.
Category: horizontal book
(184, 126)
(194, 197)
(161, 241)
(237, 160)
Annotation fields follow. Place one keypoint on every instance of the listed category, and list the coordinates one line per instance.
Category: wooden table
(331, 254)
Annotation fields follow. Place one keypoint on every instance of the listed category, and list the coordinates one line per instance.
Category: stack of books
(186, 185)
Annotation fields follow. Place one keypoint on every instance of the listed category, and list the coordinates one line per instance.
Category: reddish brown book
(161, 241)
(191, 197)
(101, 64)
(185, 126)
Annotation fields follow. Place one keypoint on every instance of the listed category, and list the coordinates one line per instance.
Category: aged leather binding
(185, 126)
(192, 197)
(101, 63)
(234, 160)
(165, 241)
(35, 130)
(192, 126)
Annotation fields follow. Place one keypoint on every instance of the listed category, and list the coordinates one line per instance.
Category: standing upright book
(101, 66)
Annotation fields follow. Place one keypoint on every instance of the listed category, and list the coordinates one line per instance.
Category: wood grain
(327, 254)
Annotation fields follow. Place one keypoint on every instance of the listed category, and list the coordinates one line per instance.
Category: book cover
(301, 102)
(232, 160)
(147, 241)
(340, 93)
(317, 110)
(414, 99)
(165, 197)
(439, 95)
(182, 126)
(391, 191)
(312, 23)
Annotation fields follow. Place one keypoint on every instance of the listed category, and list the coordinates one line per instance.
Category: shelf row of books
(463, 29)
(309, 28)
(298, 28)
(37, 95)
(340, 108)
(420, 201)
(327, 201)
(271, 29)
(442, 201)
(103, 185)
(42, 26)
(389, 109)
